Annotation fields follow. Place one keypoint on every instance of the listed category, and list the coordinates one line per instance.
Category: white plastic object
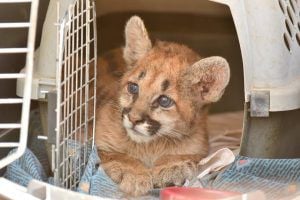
(26, 76)
(10, 190)
(49, 192)
(76, 92)
(269, 37)
(37, 190)
(44, 75)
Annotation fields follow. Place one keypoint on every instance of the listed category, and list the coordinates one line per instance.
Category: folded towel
(276, 177)
(94, 180)
(26, 168)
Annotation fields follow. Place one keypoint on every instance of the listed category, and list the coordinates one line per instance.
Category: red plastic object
(185, 193)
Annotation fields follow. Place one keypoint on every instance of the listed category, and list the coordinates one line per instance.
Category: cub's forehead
(152, 80)
(162, 66)
(156, 73)
(158, 76)
(163, 63)
(153, 75)
(169, 67)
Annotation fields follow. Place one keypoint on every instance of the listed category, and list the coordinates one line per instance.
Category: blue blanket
(276, 177)
(34, 165)
(94, 180)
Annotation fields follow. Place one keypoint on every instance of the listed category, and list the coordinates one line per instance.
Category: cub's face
(150, 98)
(165, 86)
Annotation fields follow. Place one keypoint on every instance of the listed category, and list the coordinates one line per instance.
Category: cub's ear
(137, 40)
(206, 79)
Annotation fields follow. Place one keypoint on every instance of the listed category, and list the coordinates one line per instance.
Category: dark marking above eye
(165, 84)
(142, 75)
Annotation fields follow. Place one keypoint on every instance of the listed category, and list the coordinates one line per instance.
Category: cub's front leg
(173, 170)
(133, 177)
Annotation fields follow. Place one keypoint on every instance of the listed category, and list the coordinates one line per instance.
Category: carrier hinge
(259, 103)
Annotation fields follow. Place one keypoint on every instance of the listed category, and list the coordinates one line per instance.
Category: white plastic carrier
(269, 37)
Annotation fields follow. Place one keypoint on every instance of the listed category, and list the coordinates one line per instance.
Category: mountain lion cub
(152, 107)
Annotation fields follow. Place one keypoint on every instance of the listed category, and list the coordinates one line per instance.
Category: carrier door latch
(52, 98)
(259, 103)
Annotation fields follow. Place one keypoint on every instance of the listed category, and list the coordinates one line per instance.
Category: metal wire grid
(27, 75)
(76, 90)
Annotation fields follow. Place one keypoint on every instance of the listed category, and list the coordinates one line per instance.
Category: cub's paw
(132, 181)
(136, 184)
(113, 170)
(174, 174)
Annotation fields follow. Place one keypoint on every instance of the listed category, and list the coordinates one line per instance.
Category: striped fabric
(23, 170)
(276, 177)
(95, 182)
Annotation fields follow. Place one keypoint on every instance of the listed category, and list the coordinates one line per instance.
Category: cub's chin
(139, 137)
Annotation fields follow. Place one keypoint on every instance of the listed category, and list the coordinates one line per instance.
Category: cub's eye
(165, 101)
(133, 88)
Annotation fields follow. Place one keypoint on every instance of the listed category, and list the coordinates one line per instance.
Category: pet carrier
(65, 74)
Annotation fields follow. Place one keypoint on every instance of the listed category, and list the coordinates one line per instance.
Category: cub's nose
(135, 118)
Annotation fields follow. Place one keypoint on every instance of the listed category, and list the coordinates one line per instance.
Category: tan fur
(137, 41)
(169, 156)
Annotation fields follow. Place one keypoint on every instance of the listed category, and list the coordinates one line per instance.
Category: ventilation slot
(293, 5)
(287, 42)
(289, 27)
(291, 15)
(282, 6)
(298, 38)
